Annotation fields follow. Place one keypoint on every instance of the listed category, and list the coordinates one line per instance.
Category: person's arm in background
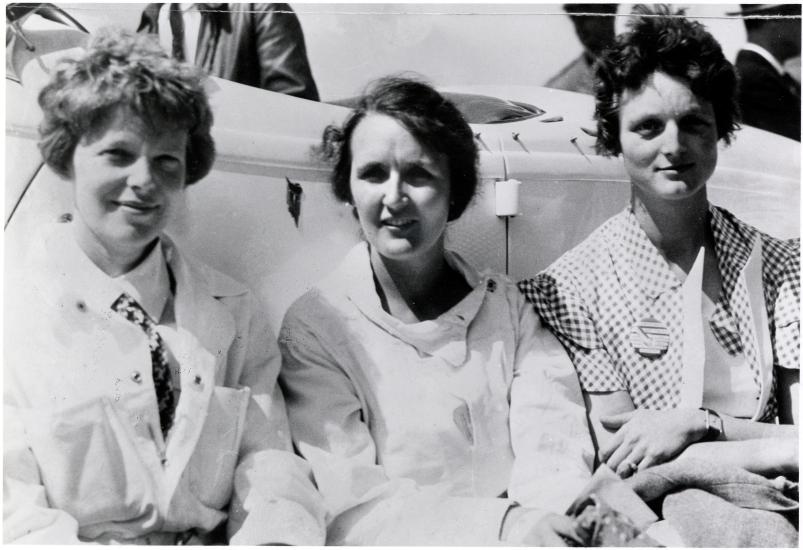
(364, 505)
(274, 500)
(282, 53)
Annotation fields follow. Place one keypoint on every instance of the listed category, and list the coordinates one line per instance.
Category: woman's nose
(394, 191)
(140, 175)
(672, 142)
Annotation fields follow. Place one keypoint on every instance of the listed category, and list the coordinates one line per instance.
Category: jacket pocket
(211, 472)
(89, 464)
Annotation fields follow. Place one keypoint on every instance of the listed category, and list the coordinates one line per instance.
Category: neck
(675, 228)
(113, 262)
(412, 281)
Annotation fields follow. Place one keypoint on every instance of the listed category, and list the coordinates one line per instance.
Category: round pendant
(650, 337)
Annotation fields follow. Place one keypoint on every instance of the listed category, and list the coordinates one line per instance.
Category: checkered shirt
(594, 294)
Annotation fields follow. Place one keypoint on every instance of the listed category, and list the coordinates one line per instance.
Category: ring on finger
(631, 466)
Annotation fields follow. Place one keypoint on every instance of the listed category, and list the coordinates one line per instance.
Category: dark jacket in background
(259, 45)
(767, 99)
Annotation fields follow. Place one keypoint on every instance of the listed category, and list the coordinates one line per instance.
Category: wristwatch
(713, 425)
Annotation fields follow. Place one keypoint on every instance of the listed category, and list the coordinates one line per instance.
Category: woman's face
(400, 189)
(668, 137)
(127, 180)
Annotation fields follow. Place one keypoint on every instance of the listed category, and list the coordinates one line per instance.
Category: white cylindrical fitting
(507, 197)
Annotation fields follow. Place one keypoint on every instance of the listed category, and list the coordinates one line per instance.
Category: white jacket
(84, 457)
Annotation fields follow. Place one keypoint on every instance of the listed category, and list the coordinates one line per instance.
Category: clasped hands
(643, 437)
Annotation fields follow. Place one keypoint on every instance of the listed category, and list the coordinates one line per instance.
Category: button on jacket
(84, 456)
(414, 430)
(594, 295)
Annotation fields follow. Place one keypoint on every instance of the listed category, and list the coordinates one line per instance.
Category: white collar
(755, 48)
(444, 336)
(148, 283)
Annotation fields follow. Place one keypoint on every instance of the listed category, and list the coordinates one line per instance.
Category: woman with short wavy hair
(430, 402)
(140, 393)
(681, 320)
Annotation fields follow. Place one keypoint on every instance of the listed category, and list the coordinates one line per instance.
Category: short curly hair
(659, 40)
(428, 116)
(121, 69)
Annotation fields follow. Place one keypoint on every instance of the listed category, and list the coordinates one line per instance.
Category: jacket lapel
(205, 330)
(739, 257)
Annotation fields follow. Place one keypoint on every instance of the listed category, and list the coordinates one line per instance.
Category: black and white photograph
(410, 274)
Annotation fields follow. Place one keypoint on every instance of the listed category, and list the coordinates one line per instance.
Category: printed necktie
(162, 382)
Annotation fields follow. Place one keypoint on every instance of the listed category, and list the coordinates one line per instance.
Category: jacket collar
(200, 316)
(637, 260)
(73, 280)
(445, 336)
(734, 242)
(765, 54)
(634, 254)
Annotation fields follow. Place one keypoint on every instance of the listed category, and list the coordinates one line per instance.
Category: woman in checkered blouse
(681, 320)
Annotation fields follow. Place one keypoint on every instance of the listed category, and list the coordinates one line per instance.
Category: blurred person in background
(595, 32)
(259, 45)
(769, 96)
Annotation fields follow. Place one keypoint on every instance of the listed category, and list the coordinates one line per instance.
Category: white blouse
(415, 431)
(713, 377)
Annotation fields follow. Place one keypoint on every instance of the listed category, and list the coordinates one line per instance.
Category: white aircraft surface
(237, 218)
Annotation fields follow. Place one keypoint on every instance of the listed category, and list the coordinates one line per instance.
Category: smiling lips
(675, 167)
(398, 223)
(141, 207)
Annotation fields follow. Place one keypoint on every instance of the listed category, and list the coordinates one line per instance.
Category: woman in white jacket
(140, 395)
(432, 405)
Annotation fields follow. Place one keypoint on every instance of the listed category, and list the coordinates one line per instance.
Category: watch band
(713, 424)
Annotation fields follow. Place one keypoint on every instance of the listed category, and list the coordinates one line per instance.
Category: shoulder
(261, 11)
(305, 310)
(775, 252)
(216, 283)
(589, 259)
(747, 59)
(324, 308)
(755, 71)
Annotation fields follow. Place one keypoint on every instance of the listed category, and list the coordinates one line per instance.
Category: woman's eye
(696, 124)
(648, 128)
(373, 174)
(168, 163)
(118, 156)
(418, 173)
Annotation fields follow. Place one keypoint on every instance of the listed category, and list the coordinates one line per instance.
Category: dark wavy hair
(121, 69)
(432, 119)
(659, 40)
